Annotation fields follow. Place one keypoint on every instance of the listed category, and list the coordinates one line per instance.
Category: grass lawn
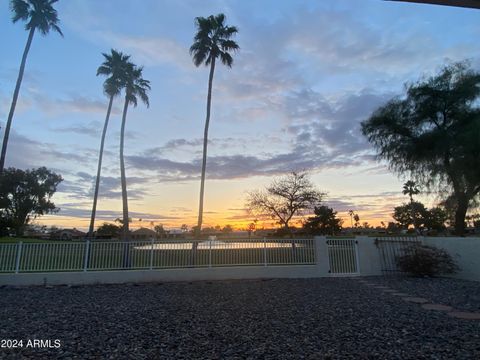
(8, 239)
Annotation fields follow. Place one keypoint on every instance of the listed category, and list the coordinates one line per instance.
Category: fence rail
(391, 247)
(117, 255)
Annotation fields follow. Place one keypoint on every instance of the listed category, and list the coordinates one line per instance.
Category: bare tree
(286, 197)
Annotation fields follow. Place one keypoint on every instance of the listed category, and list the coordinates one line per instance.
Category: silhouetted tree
(114, 66)
(351, 213)
(436, 218)
(356, 217)
(109, 230)
(433, 133)
(410, 188)
(325, 222)
(227, 229)
(38, 14)
(212, 41)
(26, 195)
(413, 213)
(161, 233)
(284, 198)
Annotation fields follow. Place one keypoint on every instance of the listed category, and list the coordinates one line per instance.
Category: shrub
(422, 260)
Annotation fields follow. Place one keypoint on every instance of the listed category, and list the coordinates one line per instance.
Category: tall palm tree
(212, 41)
(351, 213)
(410, 188)
(39, 14)
(135, 87)
(114, 67)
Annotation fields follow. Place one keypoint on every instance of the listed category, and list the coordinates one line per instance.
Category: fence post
(87, 253)
(357, 256)
(264, 251)
(210, 253)
(151, 254)
(19, 255)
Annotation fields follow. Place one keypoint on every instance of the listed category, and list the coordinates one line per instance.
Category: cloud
(109, 215)
(92, 129)
(81, 186)
(74, 103)
(151, 51)
(324, 134)
(24, 152)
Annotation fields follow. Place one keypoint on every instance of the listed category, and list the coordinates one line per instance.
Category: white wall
(466, 251)
(369, 256)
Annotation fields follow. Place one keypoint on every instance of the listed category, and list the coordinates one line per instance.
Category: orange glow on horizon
(219, 220)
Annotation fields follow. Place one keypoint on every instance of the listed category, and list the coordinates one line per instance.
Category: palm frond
(226, 59)
(116, 66)
(20, 10)
(136, 85)
(229, 45)
(38, 14)
(212, 40)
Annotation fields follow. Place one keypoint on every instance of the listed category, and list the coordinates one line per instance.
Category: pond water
(218, 245)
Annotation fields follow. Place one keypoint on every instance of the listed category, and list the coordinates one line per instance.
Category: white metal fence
(117, 255)
(343, 256)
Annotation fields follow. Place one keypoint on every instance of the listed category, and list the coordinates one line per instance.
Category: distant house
(143, 234)
(68, 234)
(176, 234)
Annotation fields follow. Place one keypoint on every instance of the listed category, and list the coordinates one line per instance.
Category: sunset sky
(307, 74)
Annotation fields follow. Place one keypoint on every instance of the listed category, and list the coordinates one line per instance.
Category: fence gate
(390, 247)
(343, 256)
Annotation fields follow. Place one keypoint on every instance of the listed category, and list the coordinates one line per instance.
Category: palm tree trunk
(122, 173)
(15, 97)
(412, 213)
(125, 230)
(99, 169)
(205, 143)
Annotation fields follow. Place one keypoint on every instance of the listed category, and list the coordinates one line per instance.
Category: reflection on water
(218, 245)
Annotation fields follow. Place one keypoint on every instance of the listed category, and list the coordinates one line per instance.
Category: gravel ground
(326, 318)
(462, 295)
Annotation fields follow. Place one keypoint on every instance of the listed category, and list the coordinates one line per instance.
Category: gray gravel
(462, 295)
(276, 319)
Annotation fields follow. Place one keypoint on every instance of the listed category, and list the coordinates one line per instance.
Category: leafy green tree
(38, 14)
(432, 134)
(114, 67)
(26, 195)
(135, 87)
(325, 222)
(212, 41)
(284, 198)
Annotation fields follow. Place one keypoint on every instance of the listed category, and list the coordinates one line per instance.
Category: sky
(306, 75)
